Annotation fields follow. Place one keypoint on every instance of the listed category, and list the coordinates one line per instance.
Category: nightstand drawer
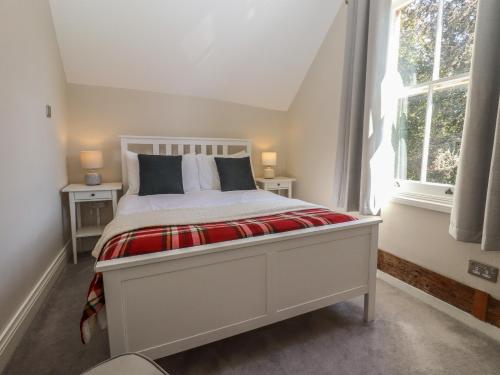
(92, 195)
(277, 185)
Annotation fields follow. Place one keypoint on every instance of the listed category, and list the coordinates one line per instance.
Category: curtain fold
(365, 156)
(347, 181)
(475, 216)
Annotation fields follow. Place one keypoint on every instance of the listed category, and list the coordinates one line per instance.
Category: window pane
(459, 19)
(446, 134)
(410, 140)
(417, 40)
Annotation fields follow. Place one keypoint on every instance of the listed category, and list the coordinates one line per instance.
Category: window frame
(422, 193)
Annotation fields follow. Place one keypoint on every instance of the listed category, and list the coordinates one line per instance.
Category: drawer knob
(279, 184)
(92, 195)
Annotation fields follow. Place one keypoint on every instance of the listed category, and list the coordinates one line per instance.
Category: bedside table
(79, 193)
(276, 184)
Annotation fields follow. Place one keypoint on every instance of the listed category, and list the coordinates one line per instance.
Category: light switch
(48, 111)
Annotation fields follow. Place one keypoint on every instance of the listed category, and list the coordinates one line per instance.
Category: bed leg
(369, 313)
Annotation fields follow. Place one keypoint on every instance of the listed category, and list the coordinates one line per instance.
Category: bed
(166, 302)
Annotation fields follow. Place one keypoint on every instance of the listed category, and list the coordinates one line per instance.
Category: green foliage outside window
(418, 40)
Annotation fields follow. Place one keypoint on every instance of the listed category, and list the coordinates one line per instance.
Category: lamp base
(92, 178)
(268, 172)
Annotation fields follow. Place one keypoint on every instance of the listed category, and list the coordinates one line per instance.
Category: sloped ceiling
(253, 52)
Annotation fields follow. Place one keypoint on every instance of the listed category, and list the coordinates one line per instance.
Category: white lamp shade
(269, 159)
(91, 159)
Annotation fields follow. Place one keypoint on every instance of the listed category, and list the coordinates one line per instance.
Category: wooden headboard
(181, 146)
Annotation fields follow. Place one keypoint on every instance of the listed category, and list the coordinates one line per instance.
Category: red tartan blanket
(165, 238)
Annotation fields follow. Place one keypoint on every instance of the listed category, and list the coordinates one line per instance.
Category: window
(433, 49)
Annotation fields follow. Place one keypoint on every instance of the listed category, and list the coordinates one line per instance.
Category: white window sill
(426, 201)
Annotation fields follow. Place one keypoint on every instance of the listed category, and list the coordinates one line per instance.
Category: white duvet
(208, 206)
(132, 204)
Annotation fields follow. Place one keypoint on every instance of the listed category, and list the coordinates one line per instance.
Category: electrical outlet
(484, 271)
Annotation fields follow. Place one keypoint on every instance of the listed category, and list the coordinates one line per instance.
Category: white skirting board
(15, 329)
(460, 315)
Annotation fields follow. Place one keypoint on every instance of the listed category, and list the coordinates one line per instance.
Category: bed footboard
(161, 304)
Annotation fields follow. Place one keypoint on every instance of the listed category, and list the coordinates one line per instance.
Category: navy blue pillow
(160, 174)
(235, 173)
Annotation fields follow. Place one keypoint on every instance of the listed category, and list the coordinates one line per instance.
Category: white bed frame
(163, 303)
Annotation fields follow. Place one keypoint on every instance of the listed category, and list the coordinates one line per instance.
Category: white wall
(415, 234)
(32, 149)
(99, 115)
(421, 236)
(313, 119)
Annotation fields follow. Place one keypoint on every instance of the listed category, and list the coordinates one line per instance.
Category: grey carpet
(408, 337)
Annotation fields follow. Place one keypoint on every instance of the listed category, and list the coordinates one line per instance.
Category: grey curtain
(475, 216)
(362, 180)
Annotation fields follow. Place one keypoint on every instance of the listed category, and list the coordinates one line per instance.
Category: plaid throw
(165, 238)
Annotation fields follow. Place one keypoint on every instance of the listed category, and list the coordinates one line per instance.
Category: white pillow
(190, 175)
(132, 173)
(207, 169)
(190, 178)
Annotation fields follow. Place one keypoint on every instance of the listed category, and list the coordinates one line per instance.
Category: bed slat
(156, 149)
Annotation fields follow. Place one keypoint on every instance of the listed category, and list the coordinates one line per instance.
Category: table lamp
(269, 161)
(91, 160)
